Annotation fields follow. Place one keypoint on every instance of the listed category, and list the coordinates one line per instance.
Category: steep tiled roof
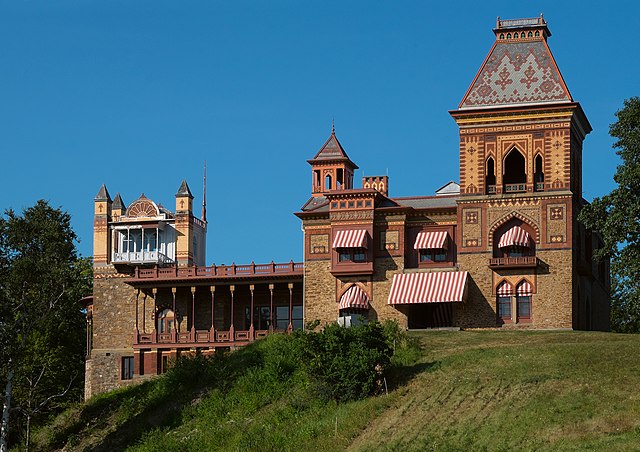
(428, 202)
(518, 72)
(103, 194)
(332, 150)
(118, 203)
(184, 190)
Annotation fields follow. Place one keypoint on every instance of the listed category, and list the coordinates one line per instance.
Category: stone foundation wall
(479, 310)
(319, 292)
(385, 268)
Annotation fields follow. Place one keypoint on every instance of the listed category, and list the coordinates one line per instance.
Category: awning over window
(431, 240)
(524, 289)
(516, 236)
(354, 297)
(436, 287)
(504, 289)
(354, 238)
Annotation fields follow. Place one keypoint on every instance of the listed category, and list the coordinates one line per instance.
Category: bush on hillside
(348, 363)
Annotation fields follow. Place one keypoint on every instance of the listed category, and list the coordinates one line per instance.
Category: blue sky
(137, 94)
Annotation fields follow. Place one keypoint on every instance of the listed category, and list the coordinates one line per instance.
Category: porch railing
(200, 337)
(521, 262)
(144, 257)
(220, 271)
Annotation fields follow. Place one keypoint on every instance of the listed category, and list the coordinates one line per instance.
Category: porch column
(290, 328)
(212, 330)
(144, 313)
(137, 332)
(271, 309)
(155, 314)
(251, 329)
(175, 317)
(193, 314)
(232, 334)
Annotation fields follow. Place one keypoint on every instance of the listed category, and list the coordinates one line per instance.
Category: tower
(184, 225)
(101, 234)
(331, 168)
(521, 137)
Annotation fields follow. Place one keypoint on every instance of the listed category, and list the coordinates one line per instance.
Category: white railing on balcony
(142, 257)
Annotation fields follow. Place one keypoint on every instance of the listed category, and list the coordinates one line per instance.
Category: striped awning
(436, 287)
(431, 240)
(353, 238)
(516, 236)
(504, 289)
(354, 297)
(524, 289)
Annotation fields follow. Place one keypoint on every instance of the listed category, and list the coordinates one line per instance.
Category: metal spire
(204, 193)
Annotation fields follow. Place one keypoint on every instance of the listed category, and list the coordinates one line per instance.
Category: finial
(204, 193)
(333, 126)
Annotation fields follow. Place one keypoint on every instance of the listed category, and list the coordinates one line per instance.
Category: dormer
(331, 168)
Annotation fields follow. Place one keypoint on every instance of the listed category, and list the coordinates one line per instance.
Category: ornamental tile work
(517, 73)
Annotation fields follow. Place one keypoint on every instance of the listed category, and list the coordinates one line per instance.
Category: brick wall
(385, 268)
(320, 292)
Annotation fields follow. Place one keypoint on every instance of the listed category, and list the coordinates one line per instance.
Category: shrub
(346, 363)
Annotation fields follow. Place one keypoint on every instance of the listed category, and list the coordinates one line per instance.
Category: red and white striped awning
(504, 289)
(436, 287)
(431, 240)
(516, 236)
(524, 289)
(353, 238)
(354, 297)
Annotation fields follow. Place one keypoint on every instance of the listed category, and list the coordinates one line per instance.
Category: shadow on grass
(401, 375)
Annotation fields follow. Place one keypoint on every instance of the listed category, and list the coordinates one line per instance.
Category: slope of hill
(486, 390)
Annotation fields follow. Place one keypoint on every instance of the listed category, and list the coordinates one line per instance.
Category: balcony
(252, 270)
(141, 257)
(514, 262)
(515, 188)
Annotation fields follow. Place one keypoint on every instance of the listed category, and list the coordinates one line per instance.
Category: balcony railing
(514, 262)
(221, 271)
(141, 257)
(202, 337)
(515, 188)
(539, 186)
(491, 189)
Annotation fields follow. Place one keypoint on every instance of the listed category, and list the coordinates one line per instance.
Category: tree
(617, 217)
(42, 328)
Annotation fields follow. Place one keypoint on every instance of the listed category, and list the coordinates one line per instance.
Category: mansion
(502, 249)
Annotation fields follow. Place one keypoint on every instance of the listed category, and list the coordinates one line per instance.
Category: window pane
(441, 256)
(524, 306)
(504, 307)
(344, 256)
(359, 255)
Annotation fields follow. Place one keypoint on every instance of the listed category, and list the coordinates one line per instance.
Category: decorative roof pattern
(142, 207)
(332, 150)
(517, 73)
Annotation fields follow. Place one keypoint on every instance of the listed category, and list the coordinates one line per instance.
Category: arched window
(327, 182)
(501, 35)
(523, 300)
(538, 175)
(514, 175)
(503, 294)
(513, 240)
(530, 35)
(490, 176)
(165, 323)
(522, 34)
(508, 35)
(537, 33)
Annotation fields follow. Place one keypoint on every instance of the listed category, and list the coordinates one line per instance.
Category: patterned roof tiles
(514, 73)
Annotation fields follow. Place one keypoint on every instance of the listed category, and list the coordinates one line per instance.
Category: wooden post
(154, 291)
(193, 314)
(290, 328)
(137, 330)
(271, 286)
(144, 313)
(175, 317)
(251, 329)
(232, 334)
(212, 330)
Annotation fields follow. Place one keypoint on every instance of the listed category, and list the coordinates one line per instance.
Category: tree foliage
(617, 217)
(42, 328)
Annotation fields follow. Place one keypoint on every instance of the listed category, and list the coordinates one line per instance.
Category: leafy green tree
(42, 328)
(617, 217)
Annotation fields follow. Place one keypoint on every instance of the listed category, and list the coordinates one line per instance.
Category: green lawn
(487, 390)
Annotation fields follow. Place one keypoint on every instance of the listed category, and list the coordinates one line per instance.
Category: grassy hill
(486, 390)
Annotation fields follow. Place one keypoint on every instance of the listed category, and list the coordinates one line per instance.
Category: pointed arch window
(490, 176)
(165, 321)
(514, 174)
(327, 182)
(538, 174)
(523, 300)
(503, 295)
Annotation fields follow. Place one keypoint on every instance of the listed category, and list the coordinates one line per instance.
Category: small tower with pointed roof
(331, 168)
(101, 218)
(118, 208)
(184, 226)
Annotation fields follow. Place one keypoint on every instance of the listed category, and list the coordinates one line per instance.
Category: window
(127, 368)
(356, 255)
(490, 178)
(327, 182)
(282, 317)
(165, 364)
(260, 317)
(524, 306)
(504, 307)
(516, 251)
(433, 255)
(353, 317)
(515, 177)
(538, 175)
(166, 321)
